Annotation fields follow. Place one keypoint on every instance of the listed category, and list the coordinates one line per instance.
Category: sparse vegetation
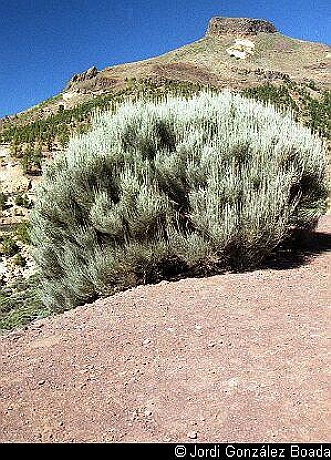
(58, 127)
(183, 186)
(19, 297)
(20, 303)
(22, 232)
(313, 110)
(23, 200)
(31, 159)
(29, 139)
(8, 246)
(3, 200)
(19, 260)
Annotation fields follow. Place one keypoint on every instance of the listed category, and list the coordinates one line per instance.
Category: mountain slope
(272, 57)
(234, 52)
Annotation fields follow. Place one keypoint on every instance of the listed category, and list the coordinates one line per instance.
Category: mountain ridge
(219, 25)
(208, 59)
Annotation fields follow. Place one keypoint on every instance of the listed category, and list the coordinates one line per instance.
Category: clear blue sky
(44, 42)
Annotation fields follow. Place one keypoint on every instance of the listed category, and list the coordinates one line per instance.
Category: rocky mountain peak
(219, 26)
(87, 75)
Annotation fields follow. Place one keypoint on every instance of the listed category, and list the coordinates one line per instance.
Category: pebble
(147, 413)
(41, 382)
(15, 336)
(146, 341)
(192, 435)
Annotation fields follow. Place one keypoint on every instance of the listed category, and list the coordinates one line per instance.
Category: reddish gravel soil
(237, 357)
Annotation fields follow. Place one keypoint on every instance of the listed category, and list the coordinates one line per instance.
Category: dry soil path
(237, 357)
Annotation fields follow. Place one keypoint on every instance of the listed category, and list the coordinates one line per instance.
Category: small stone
(147, 413)
(15, 337)
(161, 283)
(41, 382)
(198, 328)
(192, 435)
(146, 341)
(211, 345)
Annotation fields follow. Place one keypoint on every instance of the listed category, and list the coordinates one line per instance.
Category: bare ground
(238, 357)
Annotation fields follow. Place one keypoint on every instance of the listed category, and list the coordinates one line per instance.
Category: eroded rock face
(87, 75)
(242, 26)
(241, 49)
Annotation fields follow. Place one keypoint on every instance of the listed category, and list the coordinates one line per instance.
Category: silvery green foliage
(178, 186)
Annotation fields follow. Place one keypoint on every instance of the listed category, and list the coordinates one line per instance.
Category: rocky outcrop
(241, 49)
(262, 74)
(241, 26)
(84, 76)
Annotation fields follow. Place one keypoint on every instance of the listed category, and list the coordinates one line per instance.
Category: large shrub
(180, 186)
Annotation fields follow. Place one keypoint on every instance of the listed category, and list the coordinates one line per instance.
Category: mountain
(234, 52)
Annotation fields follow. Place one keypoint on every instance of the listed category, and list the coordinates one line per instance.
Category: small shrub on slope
(181, 186)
